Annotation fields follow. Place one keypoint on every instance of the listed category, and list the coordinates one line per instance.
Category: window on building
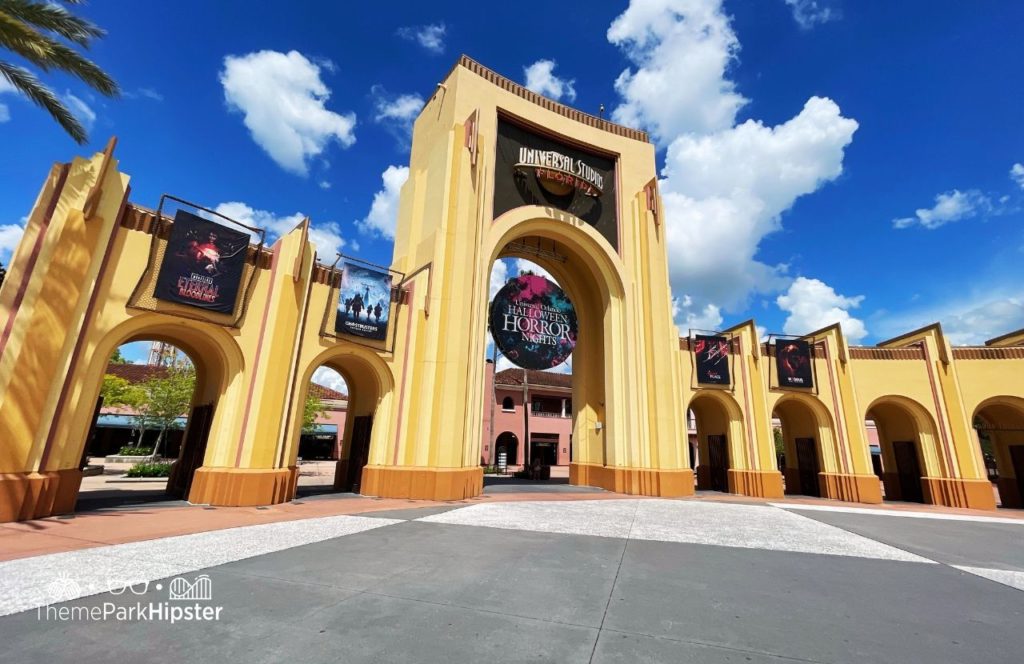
(547, 407)
(507, 404)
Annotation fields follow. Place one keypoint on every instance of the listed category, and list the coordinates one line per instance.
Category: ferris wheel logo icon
(200, 589)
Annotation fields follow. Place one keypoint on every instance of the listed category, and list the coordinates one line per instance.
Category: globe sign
(533, 323)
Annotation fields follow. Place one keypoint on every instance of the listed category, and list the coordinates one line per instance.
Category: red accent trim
(835, 404)
(259, 353)
(405, 366)
(953, 468)
(746, 414)
(76, 352)
(33, 257)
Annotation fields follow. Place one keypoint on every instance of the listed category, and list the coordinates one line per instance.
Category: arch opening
(800, 433)
(999, 432)
(716, 420)
(331, 445)
(906, 447)
(558, 415)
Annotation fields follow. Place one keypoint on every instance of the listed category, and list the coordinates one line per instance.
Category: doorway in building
(360, 450)
(905, 431)
(807, 466)
(718, 462)
(801, 425)
(908, 470)
(999, 426)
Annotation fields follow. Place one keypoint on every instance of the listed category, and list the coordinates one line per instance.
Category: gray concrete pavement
(530, 591)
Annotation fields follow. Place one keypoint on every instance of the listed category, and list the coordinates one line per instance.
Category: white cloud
(10, 236)
(706, 319)
(430, 37)
(284, 101)
(397, 112)
(80, 110)
(1017, 174)
(499, 275)
(5, 113)
(949, 207)
(5, 86)
(681, 50)
(725, 186)
(724, 192)
(325, 235)
(144, 93)
(383, 215)
(328, 377)
(984, 320)
(540, 78)
(324, 184)
(808, 13)
(813, 304)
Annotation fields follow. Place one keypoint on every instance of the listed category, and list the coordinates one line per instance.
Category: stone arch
(907, 436)
(592, 277)
(719, 422)
(999, 422)
(802, 418)
(370, 394)
(508, 442)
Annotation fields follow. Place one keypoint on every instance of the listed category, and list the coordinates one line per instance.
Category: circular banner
(533, 323)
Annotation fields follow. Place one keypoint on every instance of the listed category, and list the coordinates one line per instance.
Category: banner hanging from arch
(533, 323)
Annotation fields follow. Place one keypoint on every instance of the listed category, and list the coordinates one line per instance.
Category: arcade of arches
(82, 281)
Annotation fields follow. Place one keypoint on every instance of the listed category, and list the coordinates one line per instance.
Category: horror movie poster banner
(793, 362)
(364, 302)
(533, 323)
(203, 264)
(712, 355)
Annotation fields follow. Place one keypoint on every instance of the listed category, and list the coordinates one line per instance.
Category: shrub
(129, 450)
(150, 470)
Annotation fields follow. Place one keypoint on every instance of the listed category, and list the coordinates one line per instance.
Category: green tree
(117, 391)
(36, 32)
(166, 399)
(312, 410)
(118, 358)
(780, 445)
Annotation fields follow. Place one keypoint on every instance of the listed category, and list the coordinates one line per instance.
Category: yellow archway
(809, 441)
(909, 445)
(721, 442)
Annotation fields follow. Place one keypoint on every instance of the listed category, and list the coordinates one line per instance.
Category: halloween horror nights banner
(793, 363)
(533, 169)
(364, 302)
(203, 264)
(533, 323)
(712, 355)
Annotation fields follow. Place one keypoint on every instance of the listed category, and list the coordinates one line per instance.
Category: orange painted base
(756, 483)
(850, 488)
(974, 494)
(633, 481)
(236, 487)
(25, 496)
(422, 483)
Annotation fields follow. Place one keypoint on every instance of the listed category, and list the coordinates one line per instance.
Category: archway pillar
(44, 304)
(252, 469)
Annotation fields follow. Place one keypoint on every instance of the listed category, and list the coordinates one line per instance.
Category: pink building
(527, 415)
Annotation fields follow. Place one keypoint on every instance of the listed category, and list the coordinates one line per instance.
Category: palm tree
(31, 29)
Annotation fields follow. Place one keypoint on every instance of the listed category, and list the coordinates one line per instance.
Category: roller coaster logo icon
(200, 589)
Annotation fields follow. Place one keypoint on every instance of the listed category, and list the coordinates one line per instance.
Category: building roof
(533, 377)
(140, 373)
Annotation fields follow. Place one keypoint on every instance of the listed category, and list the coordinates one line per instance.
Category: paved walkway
(567, 577)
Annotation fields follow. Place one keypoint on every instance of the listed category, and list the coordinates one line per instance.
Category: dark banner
(364, 302)
(203, 264)
(532, 169)
(793, 362)
(533, 323)
(712, 355)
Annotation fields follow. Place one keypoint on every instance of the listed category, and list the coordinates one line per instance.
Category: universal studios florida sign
(554, 168)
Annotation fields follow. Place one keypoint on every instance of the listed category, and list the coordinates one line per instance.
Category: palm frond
(23, 80)
(54, 18)
(47, 54)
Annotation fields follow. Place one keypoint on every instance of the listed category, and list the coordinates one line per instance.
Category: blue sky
(823, 160)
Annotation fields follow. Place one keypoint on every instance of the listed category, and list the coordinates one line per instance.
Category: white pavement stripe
(28, 583)
(720, 524)
(907, 514)
(1006, 577)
